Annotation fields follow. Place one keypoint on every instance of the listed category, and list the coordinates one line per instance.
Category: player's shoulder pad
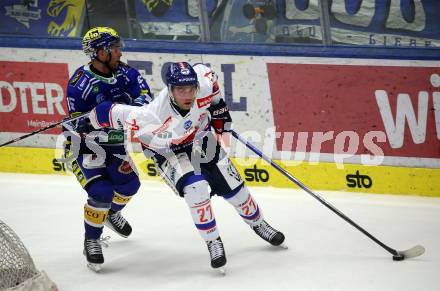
(201, 68)
(207, 79)
(123, 65)
(163, 94)
(128, 71)
(123, 68)
(80, 79)
(204, 71)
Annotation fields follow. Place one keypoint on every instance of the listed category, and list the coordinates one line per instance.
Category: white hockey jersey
(159, 126)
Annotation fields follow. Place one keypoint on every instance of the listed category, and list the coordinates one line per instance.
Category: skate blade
(283, 246)
(222, 271)
(94, 267)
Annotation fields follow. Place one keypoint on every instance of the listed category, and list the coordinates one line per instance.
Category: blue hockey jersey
(87, 89)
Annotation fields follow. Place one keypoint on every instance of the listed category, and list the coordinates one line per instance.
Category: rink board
(377, 105)
(318, 176)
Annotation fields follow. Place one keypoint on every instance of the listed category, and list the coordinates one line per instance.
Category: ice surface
(165, 251)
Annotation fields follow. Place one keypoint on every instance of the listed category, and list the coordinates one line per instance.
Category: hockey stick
(397, 255)
(67, 119)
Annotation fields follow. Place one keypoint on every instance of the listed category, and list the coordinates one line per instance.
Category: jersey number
(202, 212)
(248, 207)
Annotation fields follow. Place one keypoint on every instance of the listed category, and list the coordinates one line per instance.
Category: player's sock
(245, 205)
(197, 197)
(95, 214)
(120, 201)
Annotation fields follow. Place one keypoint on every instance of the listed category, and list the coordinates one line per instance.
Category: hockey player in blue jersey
(106, 173)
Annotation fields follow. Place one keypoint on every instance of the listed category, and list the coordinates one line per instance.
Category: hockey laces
(94, 246)
(266, 231)
(118, 219)
(216, 249)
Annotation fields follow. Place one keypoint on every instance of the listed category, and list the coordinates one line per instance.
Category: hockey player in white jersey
(175, 130)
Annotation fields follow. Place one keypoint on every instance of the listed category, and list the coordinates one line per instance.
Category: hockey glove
(220, 118)
(83, 126)
(122, 98)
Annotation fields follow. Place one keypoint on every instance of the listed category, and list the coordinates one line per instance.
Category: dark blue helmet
(181, 74)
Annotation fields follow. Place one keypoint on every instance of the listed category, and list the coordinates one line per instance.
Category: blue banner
(414, 23)
(170, 18)
(42, 17)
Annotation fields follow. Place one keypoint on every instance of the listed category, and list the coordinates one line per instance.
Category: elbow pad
(100, 115)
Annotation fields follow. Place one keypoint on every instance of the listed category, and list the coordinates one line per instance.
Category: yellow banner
(321, 176)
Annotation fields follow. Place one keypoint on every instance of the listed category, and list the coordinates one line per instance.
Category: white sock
(199, 202)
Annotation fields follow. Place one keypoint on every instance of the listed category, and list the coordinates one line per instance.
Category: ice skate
(93, 253)
(116, 222)
(270, 234)
(217, 253)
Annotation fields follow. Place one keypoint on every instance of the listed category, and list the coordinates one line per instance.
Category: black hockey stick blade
(415, 251)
